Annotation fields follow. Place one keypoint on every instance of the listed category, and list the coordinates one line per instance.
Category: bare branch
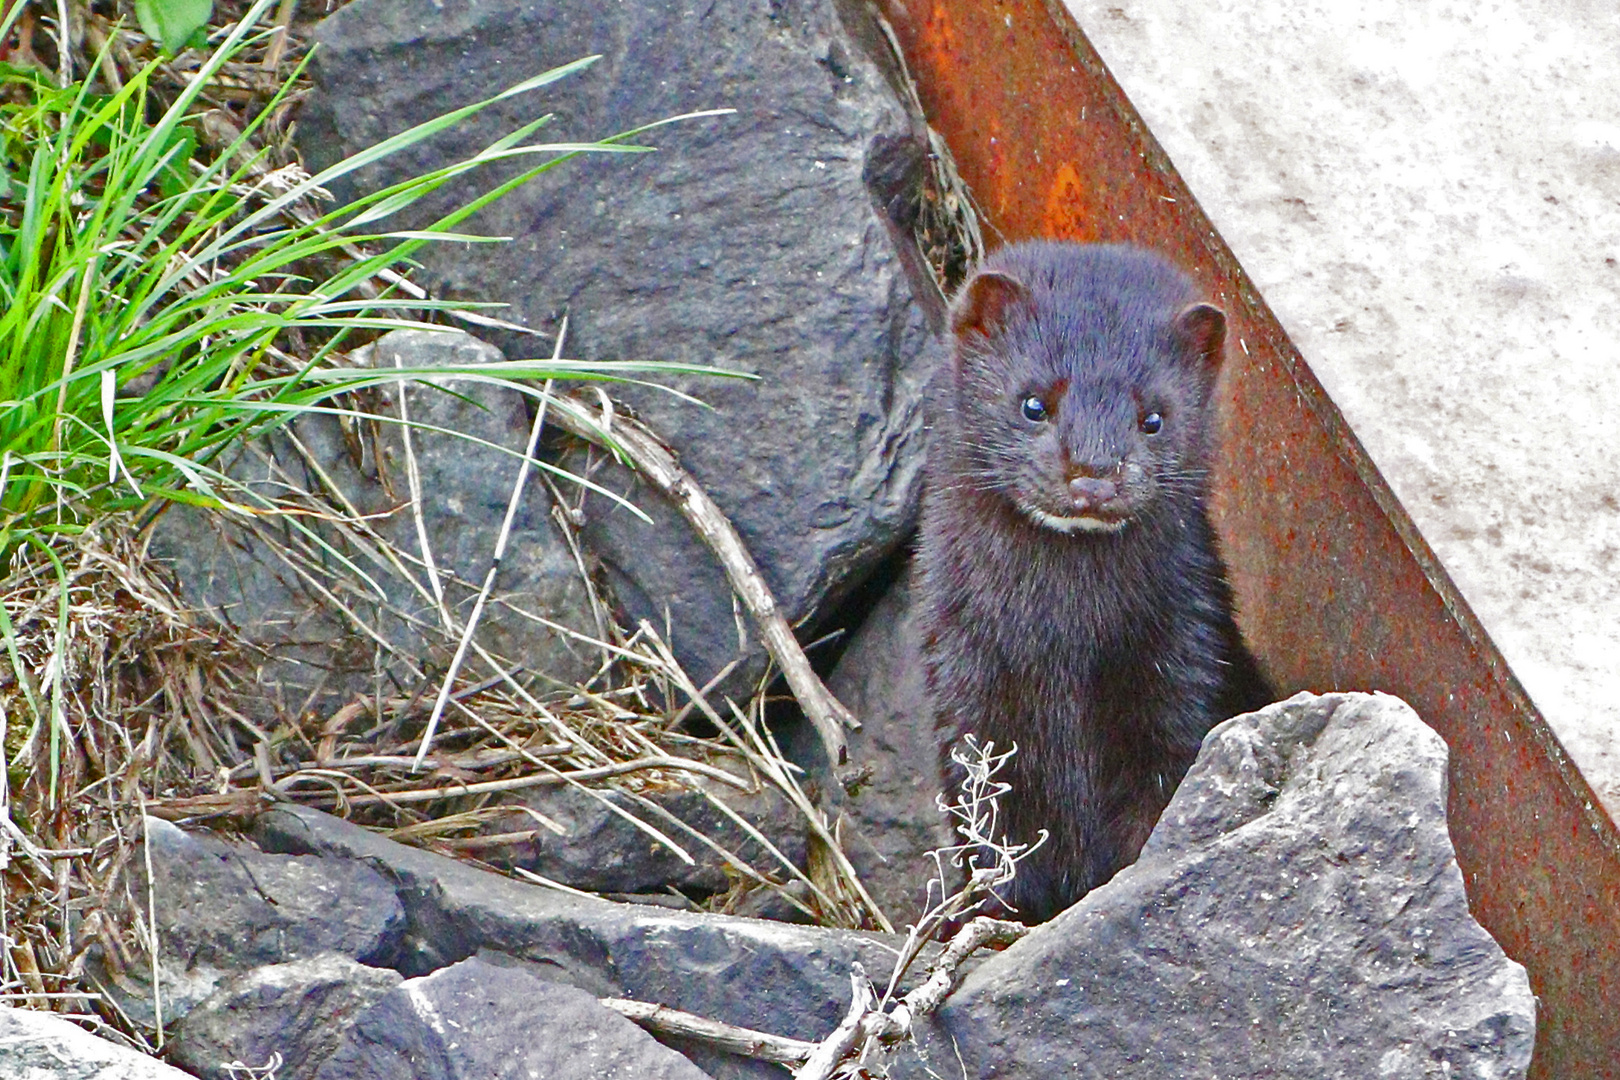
(501, 539)
(657, 462)
(729, 1037)
(870, 1030)
(845, 1037)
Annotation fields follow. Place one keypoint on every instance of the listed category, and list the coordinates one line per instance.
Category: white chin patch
(1072, 524)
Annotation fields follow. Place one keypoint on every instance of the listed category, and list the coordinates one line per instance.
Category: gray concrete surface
(1428, 195)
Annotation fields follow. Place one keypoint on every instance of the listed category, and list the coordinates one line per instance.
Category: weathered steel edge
(1519, 815)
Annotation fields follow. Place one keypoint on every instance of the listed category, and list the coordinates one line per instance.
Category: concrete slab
(1428, 196)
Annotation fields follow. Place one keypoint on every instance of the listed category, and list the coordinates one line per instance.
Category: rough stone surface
(225, 907)
(41, 1046)
(601, 851)
(748, 242)
(479, 1021)
(891, 819)
(718, 1064)
(792, 980)
(465, 488)
(233, 907)
(299, 1010)
(1298, 912)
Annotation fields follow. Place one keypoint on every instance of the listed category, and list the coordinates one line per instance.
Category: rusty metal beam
(1336, 588)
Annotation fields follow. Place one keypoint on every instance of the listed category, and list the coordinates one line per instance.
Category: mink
(1072, 598)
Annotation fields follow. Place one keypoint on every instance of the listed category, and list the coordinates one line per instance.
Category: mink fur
(1072, 597)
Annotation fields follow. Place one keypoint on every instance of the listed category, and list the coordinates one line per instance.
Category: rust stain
(1069, 215)
(1336, 588)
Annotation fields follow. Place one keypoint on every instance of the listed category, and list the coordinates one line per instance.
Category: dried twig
(983, 862)
(412, 795)
(864, 1028)
(657, 462)
(729, 1037)
(871, 1028)
(845, 1037)
(867, 1030)
(278, 41)
(501, 540)
(990, 862)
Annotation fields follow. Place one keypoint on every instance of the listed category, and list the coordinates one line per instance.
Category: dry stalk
(729, 1037)
(875, 1026)
(657, 462)
(501, 541)
(410, 795)
(98, 709)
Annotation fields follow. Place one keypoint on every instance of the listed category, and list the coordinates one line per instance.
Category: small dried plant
(966, 875)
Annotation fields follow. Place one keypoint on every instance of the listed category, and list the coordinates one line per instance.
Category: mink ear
(1200, 330)
(982, 305)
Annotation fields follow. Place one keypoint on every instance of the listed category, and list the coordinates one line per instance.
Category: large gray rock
(1298, 912)
(42, 1046)
(224, 907)
(791, 980)
(310, 645)
(230, 906)
(477, 1021)
(298, 1012)
(748, 242)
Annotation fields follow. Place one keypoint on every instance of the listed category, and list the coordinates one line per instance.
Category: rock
(601, 851)
(465, 488)
(43, 1046)
(300, 1011)
(475, 1020)
(1298, 912)
(225, 907)
(791, 980)
(748, 242)
(891, 818)
(230, 906)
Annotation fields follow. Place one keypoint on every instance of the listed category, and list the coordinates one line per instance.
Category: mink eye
(1151, 423)
(1034, 409)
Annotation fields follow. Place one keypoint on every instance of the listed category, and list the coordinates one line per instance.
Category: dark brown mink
(1072, 598)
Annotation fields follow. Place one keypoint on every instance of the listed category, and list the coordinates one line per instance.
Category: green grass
(147, 292)
(144, 291)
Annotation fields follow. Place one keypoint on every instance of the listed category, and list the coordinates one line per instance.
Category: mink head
(1080, 382)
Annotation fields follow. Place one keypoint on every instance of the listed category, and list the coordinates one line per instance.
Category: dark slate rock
(718, 1064)
(749, 242)
(602, 851)
(479, 1021)
(232, 906)
(1298, 912)
(224, 907)
(465, 489)
(300, 1011)
(42, 1046)
(791, 980)
(891, 816)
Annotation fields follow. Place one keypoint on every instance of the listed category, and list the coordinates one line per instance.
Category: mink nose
(1091, 491)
